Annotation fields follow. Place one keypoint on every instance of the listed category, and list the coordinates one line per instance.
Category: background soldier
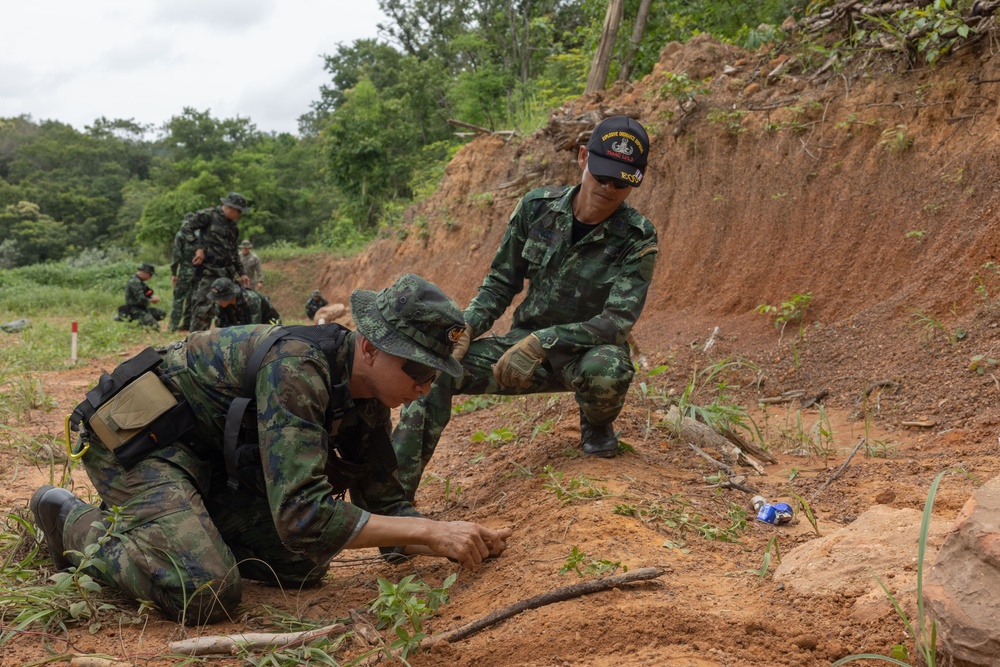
(182, 278)
(251, 264)
(588, 258)
(139, 296)
(213, 234)
(235, 305)
(192, 528)
(315, 302)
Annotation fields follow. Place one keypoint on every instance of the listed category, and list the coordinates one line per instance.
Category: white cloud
(258, 59)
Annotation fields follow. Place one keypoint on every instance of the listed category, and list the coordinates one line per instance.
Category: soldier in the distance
(213, 234)
(251, 264)
(139, 299)
(235, 305)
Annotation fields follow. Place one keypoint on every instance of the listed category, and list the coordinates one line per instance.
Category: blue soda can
(777, 514)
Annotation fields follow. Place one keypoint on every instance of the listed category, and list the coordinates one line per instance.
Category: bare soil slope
(871, 190)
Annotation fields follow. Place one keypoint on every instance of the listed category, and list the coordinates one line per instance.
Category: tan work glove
(463, 343)
(518, 364)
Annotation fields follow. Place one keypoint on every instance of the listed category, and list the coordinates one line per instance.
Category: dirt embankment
(873, 191)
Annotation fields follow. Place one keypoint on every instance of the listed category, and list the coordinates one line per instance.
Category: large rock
(962, 589)
(881, 542)
(334, 312)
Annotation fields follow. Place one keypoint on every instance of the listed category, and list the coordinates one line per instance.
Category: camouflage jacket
(293, 394)
(252, 267)
(313, 305)
(211, 230)
(251, 307)
(137, 293)
(181, 255)
(579, 296)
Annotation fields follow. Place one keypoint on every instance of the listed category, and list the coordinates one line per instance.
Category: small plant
(411, 602)
(474, 403)
(495, 437)
(732, 119)
(980, 363)
(682, 88)
(765, 563)
(989, 279)
(649, 391)
(896, 139)
(578, 488)
(793, 474)
(879, 449)
(483, 200)
(916, 235)
(792, 309)
(584, 565)
(929, 326)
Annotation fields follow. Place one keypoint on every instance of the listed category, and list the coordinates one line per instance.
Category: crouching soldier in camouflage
(139, 298)
(244, 473)
(588, 258)
(235, 305)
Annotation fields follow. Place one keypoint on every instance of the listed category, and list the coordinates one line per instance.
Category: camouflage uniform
(252, 267)
(180, 265)
(582, 301)
(251, 307)
(212, 230)
(187, 540)
(313, 305)
(137, 303)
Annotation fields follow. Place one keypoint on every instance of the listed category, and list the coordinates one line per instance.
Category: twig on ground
(719, 464)
(841, 469)
(223, 644)
(558, 595)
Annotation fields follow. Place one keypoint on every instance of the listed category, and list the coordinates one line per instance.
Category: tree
(605, 47)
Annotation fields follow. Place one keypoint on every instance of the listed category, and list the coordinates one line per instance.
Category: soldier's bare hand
(245, 281)
(173, 280)
(468, 543)
(199, 257)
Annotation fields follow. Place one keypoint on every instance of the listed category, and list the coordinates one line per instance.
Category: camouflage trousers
(147, 317)
(599, 376)
(183, 540)
(180, 311)
(202, 306)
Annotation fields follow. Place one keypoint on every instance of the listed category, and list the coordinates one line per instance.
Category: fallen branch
(841, 469)
(692, 431)
(558, 595)
(809, 402)
(747, 446)
(718, 464)
(786, 397)
(90, 661)
(231, 644)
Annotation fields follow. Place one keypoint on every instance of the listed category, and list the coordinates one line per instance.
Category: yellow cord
(69, 444)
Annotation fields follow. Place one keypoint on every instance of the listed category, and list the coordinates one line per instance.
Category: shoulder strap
(240, 417)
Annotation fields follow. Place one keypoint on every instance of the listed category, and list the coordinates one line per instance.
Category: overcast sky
(75, 61)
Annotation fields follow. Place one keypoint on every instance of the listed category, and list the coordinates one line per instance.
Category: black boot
(51, 505)
(598, 440)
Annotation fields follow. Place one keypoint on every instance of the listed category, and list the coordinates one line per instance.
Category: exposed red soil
(891, 244)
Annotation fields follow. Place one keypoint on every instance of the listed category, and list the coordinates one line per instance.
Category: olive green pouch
(132, 409)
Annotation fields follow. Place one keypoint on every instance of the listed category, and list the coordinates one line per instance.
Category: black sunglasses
(420, 373)
(604, 180)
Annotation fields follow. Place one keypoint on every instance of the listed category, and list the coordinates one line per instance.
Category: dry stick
(722, 466)
(841, 469)
(558, 595)
(232, 643)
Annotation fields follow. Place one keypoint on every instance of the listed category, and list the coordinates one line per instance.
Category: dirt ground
(811, 195)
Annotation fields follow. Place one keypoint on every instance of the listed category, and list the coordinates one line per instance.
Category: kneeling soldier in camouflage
(235, 305)
(253, 435)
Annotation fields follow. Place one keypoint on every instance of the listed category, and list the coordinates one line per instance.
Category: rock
(960, 590)
(334, 312)
(883, 541)
(15, 326)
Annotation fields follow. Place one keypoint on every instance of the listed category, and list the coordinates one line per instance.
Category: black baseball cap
(619, 148)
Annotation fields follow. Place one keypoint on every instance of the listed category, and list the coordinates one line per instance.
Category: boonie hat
(619, 148)
(245, 243)
(223, 289)
(147, 267)
(237, 201)
(412, 319)
(316, 292)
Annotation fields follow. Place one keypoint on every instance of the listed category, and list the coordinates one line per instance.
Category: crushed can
(772, 513)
